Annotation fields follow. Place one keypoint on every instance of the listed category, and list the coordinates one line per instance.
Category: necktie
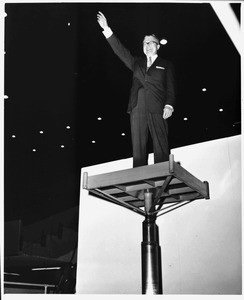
(149, 62)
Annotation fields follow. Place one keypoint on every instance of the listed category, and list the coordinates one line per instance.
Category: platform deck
(168, 181)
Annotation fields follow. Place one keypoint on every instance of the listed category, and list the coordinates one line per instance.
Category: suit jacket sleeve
(123, 53)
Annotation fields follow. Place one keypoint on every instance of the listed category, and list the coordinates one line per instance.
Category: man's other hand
(167, 112)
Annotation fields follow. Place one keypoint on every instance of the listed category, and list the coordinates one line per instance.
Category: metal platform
(169, 183)
(150, 191)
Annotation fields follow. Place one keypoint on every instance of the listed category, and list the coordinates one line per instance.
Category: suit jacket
(158, 82)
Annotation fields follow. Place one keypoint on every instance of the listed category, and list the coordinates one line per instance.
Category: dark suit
(151, 91)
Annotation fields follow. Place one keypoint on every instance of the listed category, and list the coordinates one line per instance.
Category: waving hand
(102, 21)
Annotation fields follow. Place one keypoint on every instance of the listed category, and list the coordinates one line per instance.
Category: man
(152, 95)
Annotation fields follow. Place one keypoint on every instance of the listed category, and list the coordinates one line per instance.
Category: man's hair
(152, 34)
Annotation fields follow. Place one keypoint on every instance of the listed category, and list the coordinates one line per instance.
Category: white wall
(200, 242)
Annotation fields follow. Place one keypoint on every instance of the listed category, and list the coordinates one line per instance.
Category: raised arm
(114, 42)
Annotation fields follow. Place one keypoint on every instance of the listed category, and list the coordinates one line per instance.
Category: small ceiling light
(13, 274)
(13, 136)
(68, 24)
(34, 150)
(163, 42)
(123, 134)
(41, 132)
(99, 118)
(185, 119)
(204, 89)
(62, 146)
(46, 269)
(5, 96)
(93, 142)
(221, 109)
(68, 127)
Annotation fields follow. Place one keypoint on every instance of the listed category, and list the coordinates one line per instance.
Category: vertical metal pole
(151, 254)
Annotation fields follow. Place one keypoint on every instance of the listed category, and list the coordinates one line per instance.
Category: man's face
(150, 45)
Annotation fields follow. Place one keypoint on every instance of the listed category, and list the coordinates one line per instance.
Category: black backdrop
(60, 71)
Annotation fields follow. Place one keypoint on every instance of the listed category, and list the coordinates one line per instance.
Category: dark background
(59, 74)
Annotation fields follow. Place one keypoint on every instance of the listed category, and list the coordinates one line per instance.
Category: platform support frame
(168, 184)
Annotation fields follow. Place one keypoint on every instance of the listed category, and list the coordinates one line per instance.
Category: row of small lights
(204, 90)
(185, 118)
(163, 42)
(41, 132)
(100, 119)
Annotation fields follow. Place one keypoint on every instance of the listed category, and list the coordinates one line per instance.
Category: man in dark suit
(152, 95)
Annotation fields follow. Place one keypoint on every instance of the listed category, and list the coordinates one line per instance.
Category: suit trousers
(142, 122)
